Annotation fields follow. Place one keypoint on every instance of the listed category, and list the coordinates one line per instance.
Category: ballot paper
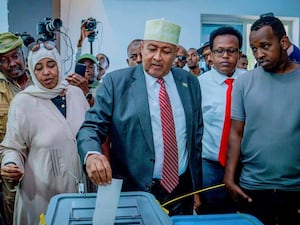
(107, 203)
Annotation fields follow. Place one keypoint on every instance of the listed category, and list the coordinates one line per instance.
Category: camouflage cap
(9, 41)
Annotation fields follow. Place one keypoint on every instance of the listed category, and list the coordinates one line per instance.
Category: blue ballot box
(140, 208)
(217, 219)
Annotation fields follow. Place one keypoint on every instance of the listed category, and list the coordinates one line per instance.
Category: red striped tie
(227, 123)
(169, 179)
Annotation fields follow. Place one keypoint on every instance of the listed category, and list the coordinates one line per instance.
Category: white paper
(107, 203)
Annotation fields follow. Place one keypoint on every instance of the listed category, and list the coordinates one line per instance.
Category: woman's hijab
(38, 89)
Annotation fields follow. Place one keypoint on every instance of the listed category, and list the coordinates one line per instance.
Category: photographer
(85, 79)
(85, 31)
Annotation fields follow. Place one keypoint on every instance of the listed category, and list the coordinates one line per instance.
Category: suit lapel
(140, 98)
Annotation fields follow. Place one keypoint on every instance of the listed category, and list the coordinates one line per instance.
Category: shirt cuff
(90, 153)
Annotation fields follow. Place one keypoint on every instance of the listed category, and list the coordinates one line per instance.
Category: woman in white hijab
(39, 152)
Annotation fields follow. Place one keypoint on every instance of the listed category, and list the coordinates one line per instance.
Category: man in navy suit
(127, 108)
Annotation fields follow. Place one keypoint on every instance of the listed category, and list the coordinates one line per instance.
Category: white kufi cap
(162, 30)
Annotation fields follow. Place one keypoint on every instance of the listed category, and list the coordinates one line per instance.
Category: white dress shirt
(179, 119)
(213, 92)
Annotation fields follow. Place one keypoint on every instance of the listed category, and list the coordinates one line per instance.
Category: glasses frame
(221, 51)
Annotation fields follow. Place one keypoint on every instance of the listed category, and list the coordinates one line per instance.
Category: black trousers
(180, 207)
(273, 207)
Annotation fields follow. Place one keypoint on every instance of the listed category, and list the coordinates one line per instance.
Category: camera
(90, 25)
(28, 40)
(47, 28)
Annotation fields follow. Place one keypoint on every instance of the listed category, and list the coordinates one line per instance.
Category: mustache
(11, 70)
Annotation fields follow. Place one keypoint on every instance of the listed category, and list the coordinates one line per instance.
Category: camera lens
(53, 25)
(91, 24)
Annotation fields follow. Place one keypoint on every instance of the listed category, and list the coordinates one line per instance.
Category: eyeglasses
(181, 58)
(49, 45)
(221, 51)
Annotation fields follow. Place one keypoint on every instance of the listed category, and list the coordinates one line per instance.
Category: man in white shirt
(225, 44)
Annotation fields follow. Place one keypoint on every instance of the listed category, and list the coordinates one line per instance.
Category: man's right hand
(79, 81)
(98, 169)
(83, 33)
(236, 192)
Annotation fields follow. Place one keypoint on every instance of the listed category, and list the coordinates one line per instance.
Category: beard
(192, 67)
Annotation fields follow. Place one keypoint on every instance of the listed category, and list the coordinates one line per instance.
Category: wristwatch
(88, 96)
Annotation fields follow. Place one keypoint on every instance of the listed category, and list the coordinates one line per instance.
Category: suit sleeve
(96, 126)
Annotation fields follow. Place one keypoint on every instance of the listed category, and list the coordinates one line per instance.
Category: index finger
(108, 172)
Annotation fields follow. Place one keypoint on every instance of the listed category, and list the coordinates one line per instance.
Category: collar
(2, 77)
(15, 83)
(290, 50)
(150, 80)
(220, 77)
